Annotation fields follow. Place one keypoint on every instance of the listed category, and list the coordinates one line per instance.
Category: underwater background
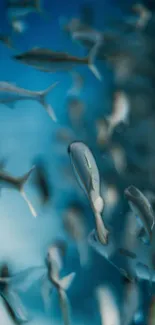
(28, 133)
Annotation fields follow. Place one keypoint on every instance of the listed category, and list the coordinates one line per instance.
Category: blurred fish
(18, 9)
(75, 108)
(11, 299)
(87, 174)
(54, 265)
(78, 83)
(17, 183)
(102, 132)
(75, 226)
(119, 158)
(9, 94)
(19, 26)
(151, 315)
(120, 113)
(87, 14)
(49, 61)
(6, 40)
(109, 311)
(131, 303)
(127, 253)
(144, 15)
(141, 208)
(41, 180)
(64, 135)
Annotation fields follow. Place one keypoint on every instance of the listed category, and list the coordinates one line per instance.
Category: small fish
(118, 156)
(141, 208)
(109, 311)
(144, 15)
(78, 83)
(17, 183)
(54, 265)
(102, 132)
(10, 93)
(18, 9)
(127, 253)
(41, 180)
(11, 299)
(131, 303)
(87, 175)
(75, 108)
(49, 61)
(120, 112)
(6, 40)
(74, 224)
(19, 26)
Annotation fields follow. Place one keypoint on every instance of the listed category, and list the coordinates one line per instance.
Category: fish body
(87, 174)
(9, 94)
(18, 9)
(142, 208)
(50, 61)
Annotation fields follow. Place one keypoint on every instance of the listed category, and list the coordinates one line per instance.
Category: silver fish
(10, 93)
(75, 226)
(6, 40)
(17, 183)
(11, 299)
(49, 61)
(87, 174)
(54, 265)
(142, 208)
(18, 9)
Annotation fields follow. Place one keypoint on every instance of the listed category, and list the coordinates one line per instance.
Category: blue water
(27, 132)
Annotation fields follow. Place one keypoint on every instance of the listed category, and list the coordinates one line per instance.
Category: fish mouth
(131, 192)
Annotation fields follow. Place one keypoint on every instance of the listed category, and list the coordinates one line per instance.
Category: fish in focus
(9, 94)
(18, 9)
(87, 175)
(50, 61)
(75, 226)
(17, 183)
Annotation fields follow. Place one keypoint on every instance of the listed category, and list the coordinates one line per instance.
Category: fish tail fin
(91, 59)
(22, 181)
(66, 281)
(42, 99)
(65, 306)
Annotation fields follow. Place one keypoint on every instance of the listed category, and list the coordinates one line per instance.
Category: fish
(75, 226)
(87, 174)
(144, 15)
(151, 313)
(119, 159)
(78, 83)
(127, 253)
(109, 311)
(131, 303)
(10, 93)
(41, 180)
(12, 301)
(17, 183)
(75, 107)
(18, 9)
(54, 265)
(102, 132)
(141, 208)
(6, 40)
(120, 113)
(47, 60)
